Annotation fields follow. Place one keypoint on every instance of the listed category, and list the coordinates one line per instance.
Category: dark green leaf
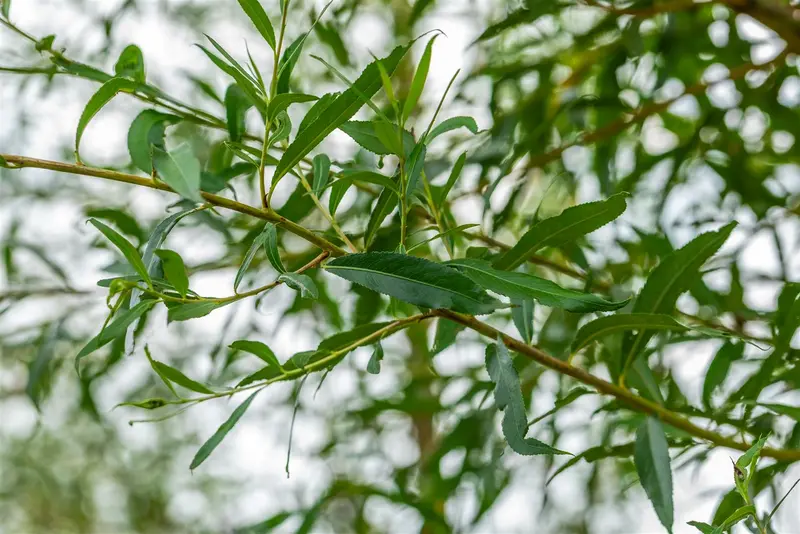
(453, 123)
(192, 310)
(414, 167)
(365, 134)
(651, 456)
(369, 177)
(705, 528)
(508, 397)
(260, 20)
(374, 364)
(270, 234)
(789, 411)
(338, 190)
(446, 333)
(114, 329)
(104, 94)
(719, 367)
(385, 204)
(451, 181)
(174, 270)
(147, 131)
(322, 169)
(621, 322)
(259, 350)
(282, 102)
(415, 280)
(236, 105)
(287, 63)
(418, 82)
(209, 446)
(171, 374)
(522, 315)
(124, 246)
(180, 169)
(302, 283)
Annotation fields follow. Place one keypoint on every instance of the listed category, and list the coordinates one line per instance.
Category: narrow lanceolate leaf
(214, 441)
(369, 177)
(302, 283)
(260, 20)
(180, 169)
(749, 458)
(451, 180)
(374, 364)
(674, 275)
(365, 133)
(287, 62)
(453, 123)
(244, 81)
(131, 64)
(237, 103)
(527, 286)
(174, 270)
(270, 234)
(124, 246)
(173, 375)
(338, 190)
(257, 243)
(383, 207)
(522, 315)
(719, 367)
(258, 349)
(418, 82)
(322, 169)
(192, 310)
(337, 112)
(508, 397)
(104, 94)
(414, 166)
(651, 456)
(147, 131)
(415, 280)
(283, 101)
(621, 322)
(566, 227)
(114, 329)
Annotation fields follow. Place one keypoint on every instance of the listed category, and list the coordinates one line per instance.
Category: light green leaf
(451, 180)
(571, 224)
(302, 283)
(453, 123)
(365, 134)
(527, 286)
(270, 234)
(282, 102)
(418, 82)
(114, 329)
(260, 350)
(621, 322)
(174, 270)
(749, 458)
(738, 515)
(131, 64)
(651, 456)
(170, 374)
(522, 315)
(236, 105)
(147, 131)
(374, 364)
(455, 230)
(336, 113)
(257, 243)
(209, 446)
(390, 136)
(415, 280)
(260, 20)
(124, 246)
(5, 8)
(180, 169)
(192, 310)
(508, 397)
(104, 94)
(322, 168)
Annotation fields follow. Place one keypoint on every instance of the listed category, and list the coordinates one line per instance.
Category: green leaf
(257, 243)
(374, 364)
(621, 322)
(270, 237)
(453, 123)
(124, 246)
(571, 224)
(236, 105)
(131, 64)
(180, 169)
(414, 166)
(782, 409)
(282, 102)
(446, 333)
(719, 367)
(440, 235)
(705, 528)
(209, 446)
(365, 134)
(104, 94)
(750, 457)
(170, 374)
(651, 456)
(282, 128)
(338, 190)
(671, 277)
(527, 286)
(5, 8)
(287, 62)
(114, 329)
(385, 204)
(192, 310)
(260, 350)
(508, 397)
(242, 79)
(322, 168)
(418, 83)
(260, 20)
(451, 180)
(336, 113)
(302, 283)
(522, 315)
(390, 136)
(174, 270)
(737, 516)
(147, 131)
(415, 280)
(370, 177)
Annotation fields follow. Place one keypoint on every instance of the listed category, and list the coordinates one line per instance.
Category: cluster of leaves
(392, 241)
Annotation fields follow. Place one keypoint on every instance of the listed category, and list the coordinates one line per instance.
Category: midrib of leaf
(516, 284)
(392, 275)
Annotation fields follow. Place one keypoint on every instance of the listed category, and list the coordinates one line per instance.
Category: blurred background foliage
(691, 107)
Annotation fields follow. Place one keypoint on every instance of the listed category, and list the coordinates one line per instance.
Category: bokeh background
(72, 462)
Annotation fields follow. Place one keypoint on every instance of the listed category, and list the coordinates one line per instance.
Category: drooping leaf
(446, 334)
(192, 310)
(282, 102)
(147, 131)
(257, 243)
(124, 246)
(103, 96)
(245, 82)
(131, 64)
(622, 322)
(208, 447)
(258, 349)
(174, 270)
(453, 123)
(322, 168)
(336, 113)
(236, 105)
(451, 180)
(270, 238)
(180, 169)
(705, 528)
(374, 364)
(415, 280)
(114, 329)
(302, 283)
(651, 456)
(522, 315)
(418, 82)
(719, 367)
(365, 134)
(571, 224)
(255, 12)
(508, 397)
(527, 286)
(170, 374)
